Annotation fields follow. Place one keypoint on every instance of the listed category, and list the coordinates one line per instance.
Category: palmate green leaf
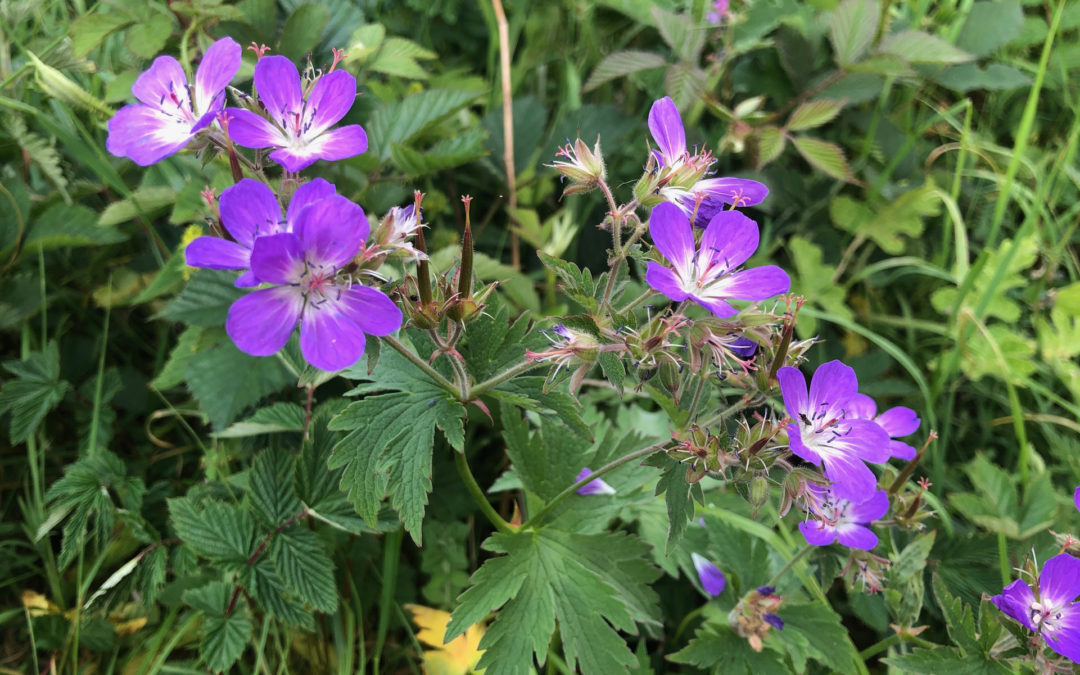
(723, 652)
(999, 353)
(813, 279)
(148, 37)
(619, 64)
(449, 152)
(214, 530)
(852, 28)
(300, 559)
(205, 300)
(887, 225)
(814, 630)
(90, 30)
(145, 202)
(391, 436)
(825, 157)
(493, 342)
(33, 392)
(528, 392)
(398, 57)
(771, 142)
(946, 660)
(225, 380)
(546, 578)
(401, 122)
(224, 636)
(679, 497)
(275, 418)
(546, 461)
(263, 582)
(577, 283)
(684, 83)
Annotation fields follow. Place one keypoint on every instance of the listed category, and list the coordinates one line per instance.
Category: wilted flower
(396, 231)
(298, 127)
(171, 113)
(250, 210)
(1051, 611)
(593, 487)
(823, 433)
(681, 176)
(755, 615)
(584, 167)
(305, 265)
(708, 274)
(841, 519)
(710, 576)
(897, 421)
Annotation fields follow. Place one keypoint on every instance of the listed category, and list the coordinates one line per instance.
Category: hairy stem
(477, 494)
(791, 563)
(496, 380)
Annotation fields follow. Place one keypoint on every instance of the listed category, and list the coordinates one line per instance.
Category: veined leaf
(275, 418)
(885, 225)
(620, 64)
(681, 33)
(301, 561)
(813, 114)
(302, 30)
(35, 390)
(146, 201)
(720, 649)
(550, 576)
(215, 530)
(401, 122)
(224, 635)
(89, 30)
(999, 305)
(684, 83)
(825, 157)
(918, 47)
(271, 489)
(64, 225)
(990, 25)
(398, 56)
(852, 28)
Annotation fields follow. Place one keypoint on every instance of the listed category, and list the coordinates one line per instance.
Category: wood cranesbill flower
(305, 267)
(171, 112)
(897, 421)
(249, 210)
(710, 576)
(298, 127)
(708, 274)
(838, 519)
(681, 177)
(1052, 612)
(823, 432)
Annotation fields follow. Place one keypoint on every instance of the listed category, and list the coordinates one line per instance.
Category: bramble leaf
(35, 390)
(619, 64)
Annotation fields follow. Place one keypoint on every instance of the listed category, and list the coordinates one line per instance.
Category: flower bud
(759, 491)
(584, 167)
(60, 86)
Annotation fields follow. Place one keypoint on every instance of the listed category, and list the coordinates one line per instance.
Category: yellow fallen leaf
(130, 626)
(459, 656)
(37, 604)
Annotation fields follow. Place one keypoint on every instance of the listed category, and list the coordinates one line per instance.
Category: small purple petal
(766, 590)
(663, 280)
(800, 449)
(851, 478)
(249, 130)
(730, 238)
(329, 339)
(870, 509)
(899, 421)
(217, 68)
(793, 388)
(593, 487)
(733, 191)
(260, 323)
(712, 579)
(718, 307)
(671, 233)
(278, 84)
(371, 309)
(249, 209)
(817, 533)
(666, 126)
(856, 536)
(773, 620)
(278, 259)
(160, 82)
(863, 439)
(340, 143)
(901, 450)
(743, 347)
(145, 135)
(757, 283)
(1015, 601)
(833, 384)
(1076, 498)
(332, 230)
(311, 191)
(329, 101)
(1059, 581)
(217, 254)
(247, 280)
(862, 407)
(1065, 640)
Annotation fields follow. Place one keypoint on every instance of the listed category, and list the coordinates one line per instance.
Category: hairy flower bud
(584, 167)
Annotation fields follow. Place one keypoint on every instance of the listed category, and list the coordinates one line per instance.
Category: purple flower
(712, 579)
(1076, 498)
(306, 265)
(171, 113)
(896, 422)
(718, 12)
(594, 487)
(773, 620)
(1053, 614)
(299, 128)
(707, 274)
(824, 433)
(841, 519)
(250, 210)
(682, 178)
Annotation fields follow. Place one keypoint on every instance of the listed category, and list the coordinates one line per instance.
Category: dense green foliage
(171, 504)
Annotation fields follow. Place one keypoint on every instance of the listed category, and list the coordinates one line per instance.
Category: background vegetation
(921, 158)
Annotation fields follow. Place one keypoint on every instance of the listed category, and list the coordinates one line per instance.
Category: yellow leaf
(457, 657)
(37, 604)
(130, 626)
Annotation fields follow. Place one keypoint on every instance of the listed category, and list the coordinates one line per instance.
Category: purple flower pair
(683, 182)
(709, 273)
(172, 112)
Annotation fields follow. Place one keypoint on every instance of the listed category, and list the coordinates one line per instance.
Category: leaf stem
(790, 563)
(614, 464)
(496, 380)
(477, 494)
(421, 364)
